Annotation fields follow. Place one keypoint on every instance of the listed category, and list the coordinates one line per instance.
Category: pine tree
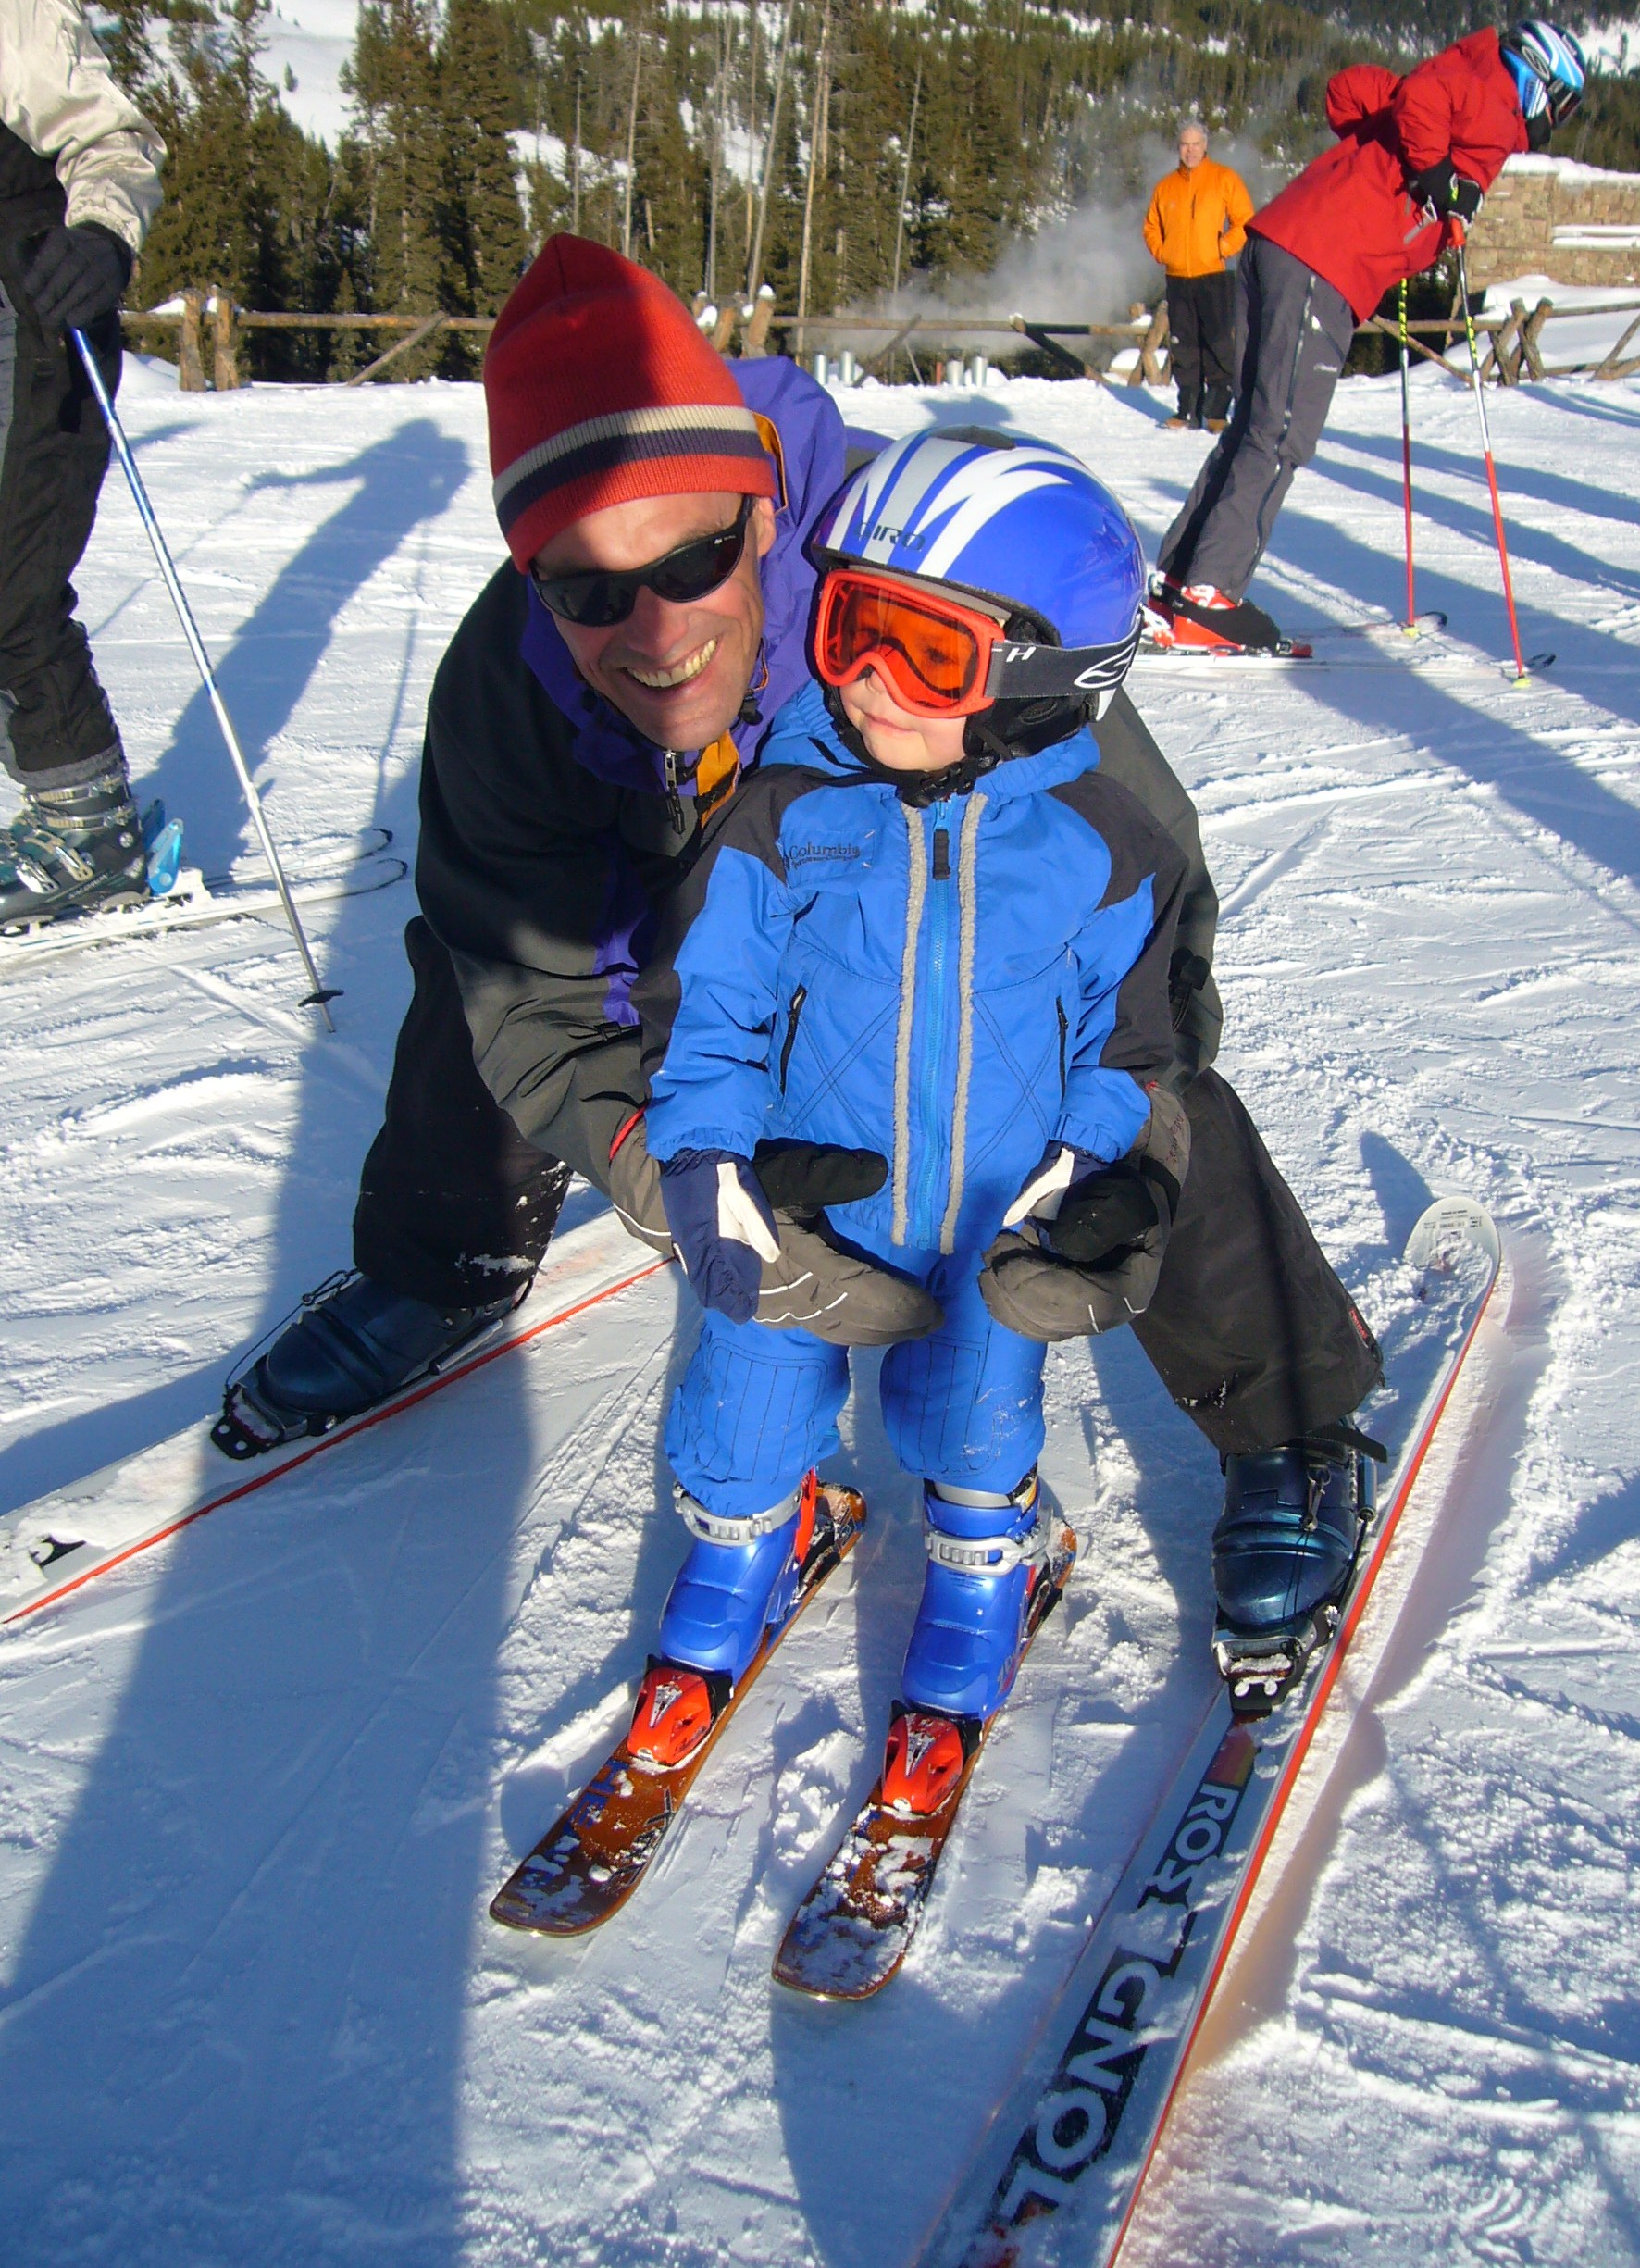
(479, 86)
(404, 251)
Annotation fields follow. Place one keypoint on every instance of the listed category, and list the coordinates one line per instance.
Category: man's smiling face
(679, 673)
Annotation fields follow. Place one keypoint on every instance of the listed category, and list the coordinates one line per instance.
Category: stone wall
(1549, 217)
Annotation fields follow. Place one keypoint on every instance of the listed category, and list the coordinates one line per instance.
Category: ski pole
(1480, 394)
(1412, 622)
(319, 997)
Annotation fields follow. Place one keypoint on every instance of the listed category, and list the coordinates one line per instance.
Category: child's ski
(854, 1929)
(1081, 2126)
(53, 1547)
(590, 1862)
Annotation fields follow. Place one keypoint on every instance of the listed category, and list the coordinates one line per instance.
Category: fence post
(1499, 349)
(1529, 335)
(190, 377)
(1151, 364)
(225, 340)
(725, 331)
(763, 315)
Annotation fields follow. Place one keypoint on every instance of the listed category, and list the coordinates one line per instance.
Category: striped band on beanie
(600, 390)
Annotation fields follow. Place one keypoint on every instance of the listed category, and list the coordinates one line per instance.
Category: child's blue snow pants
(757, 1407)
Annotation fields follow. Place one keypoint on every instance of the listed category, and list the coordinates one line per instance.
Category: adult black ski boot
(1284, 1554)
(351, 1344)
(73, 851)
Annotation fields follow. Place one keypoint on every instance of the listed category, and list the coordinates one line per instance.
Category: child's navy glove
(722, 1226)
(1095, 1215)
(1082, 1243)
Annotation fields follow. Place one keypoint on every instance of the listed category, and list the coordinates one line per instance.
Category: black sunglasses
(598, 597)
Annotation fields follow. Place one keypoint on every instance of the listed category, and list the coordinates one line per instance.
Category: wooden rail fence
(210, 321)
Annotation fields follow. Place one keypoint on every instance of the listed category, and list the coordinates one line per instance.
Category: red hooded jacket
(1347, 215)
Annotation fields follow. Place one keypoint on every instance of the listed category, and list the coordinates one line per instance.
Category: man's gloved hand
(77, 275)
(816, 1282)
(1441, 193)
(1081, 1244)
(820, 1283)
(722, 1226)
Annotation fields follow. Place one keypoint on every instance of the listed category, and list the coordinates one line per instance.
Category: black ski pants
(56, 726)
(1249, 1329)
(1201, 324)
(1292, 333)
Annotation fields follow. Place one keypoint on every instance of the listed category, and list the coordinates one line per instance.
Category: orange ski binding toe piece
(675, 1711)
(926, 1755)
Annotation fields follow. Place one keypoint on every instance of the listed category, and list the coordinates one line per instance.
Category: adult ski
(852, 1933)
(194, 901)
(1059, 2173)
(52, 1548)
(1436, 661)
(590, 1862)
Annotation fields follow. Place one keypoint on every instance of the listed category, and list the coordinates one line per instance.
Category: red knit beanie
(600, 388)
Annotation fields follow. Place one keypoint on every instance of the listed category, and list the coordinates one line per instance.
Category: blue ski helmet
(1547, 68)
(1014, 521)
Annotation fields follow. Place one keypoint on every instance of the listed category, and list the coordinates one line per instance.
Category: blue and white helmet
(1014, 521)
(1548, 66)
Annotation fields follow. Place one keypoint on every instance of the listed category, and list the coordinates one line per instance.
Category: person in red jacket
(1413, 159)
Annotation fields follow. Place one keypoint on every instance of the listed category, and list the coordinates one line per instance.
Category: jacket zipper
(1064, 1033)
(793, 1016)
(935, 1019)
(674, 800)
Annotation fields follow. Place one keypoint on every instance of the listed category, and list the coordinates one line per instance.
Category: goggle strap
(1050, 673)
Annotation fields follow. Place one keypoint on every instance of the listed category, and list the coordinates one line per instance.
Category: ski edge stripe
(333, 1439)
(1277, 1809)
(963, 2216)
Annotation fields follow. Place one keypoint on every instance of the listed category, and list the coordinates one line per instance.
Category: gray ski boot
(73, 851)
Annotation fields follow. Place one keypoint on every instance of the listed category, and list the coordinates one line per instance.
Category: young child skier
(918, 979)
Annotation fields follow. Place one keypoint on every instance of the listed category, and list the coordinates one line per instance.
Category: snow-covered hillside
(256, 1789)
(306, 43)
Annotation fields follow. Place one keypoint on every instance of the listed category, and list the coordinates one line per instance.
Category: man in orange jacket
(1413, 159)
(1196, 221)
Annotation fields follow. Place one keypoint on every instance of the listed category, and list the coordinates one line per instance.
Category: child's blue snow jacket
(954, 987)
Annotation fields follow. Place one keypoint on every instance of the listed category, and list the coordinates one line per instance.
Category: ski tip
(1449, 1225)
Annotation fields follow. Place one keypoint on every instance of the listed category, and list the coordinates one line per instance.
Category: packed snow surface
(256, 1788)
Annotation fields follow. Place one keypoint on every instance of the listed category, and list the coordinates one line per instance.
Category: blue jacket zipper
(933, 1030)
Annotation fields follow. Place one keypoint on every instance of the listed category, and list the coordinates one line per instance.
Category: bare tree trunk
(632, 141)
(574, 163)
(751, 129)
(715, 179)
(754, 265)
(818, 125)
(911, 135)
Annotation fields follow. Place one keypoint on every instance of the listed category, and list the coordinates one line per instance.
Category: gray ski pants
(1292, 332)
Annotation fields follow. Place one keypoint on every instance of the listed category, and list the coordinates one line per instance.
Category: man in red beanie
(593, 709)
(1413, 159)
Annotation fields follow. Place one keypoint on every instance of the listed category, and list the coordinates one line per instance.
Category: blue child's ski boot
(351, 1344)
(996, 1567)
(1285, 1552)
(741, 1584)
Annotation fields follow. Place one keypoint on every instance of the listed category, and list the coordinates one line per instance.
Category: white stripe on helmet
(978, 511)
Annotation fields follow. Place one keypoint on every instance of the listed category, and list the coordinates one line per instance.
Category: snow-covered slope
(254, 1795)
(307, 42)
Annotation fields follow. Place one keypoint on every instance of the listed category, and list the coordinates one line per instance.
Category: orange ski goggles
(934, 653)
